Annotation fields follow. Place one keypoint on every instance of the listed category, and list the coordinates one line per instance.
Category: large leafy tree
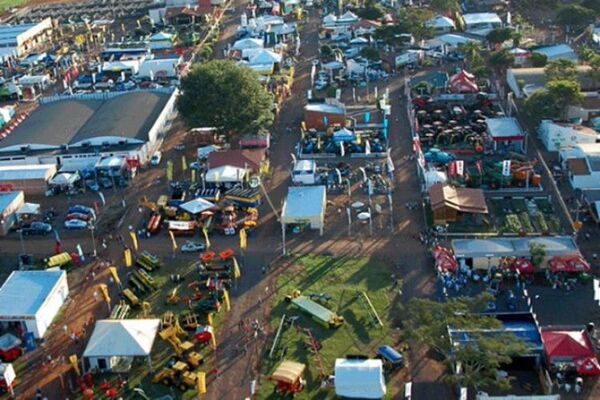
(499, 35)
(561, 69)
(594, 72)
(413, 20)
(371, 10)
(574, 16)
(539, 105)
(226, 96)
(427, 324)
(564, 93)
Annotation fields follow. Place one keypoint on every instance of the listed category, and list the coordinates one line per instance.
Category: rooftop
(503, 127)
(535, 78)
(304, 202)
(500, 247)
(578, 166)
(130, 115)
(559, 51)
(481, 18)
(24, 292)
(25, 172)
(7, 198)
(461, 199)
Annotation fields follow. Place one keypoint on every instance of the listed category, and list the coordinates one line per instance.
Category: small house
(481, 24)
(441, 24)
(449, 203)
(557, 135)
(506, 133)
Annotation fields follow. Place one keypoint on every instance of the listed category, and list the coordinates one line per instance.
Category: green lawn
(342, 279)
(6, 4)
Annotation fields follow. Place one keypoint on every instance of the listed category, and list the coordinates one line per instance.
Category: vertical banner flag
(205, 231)
(193, 175)
(169, 170)
(325, 121)
(386, 123)
(127, 257)
(134, 240)
(184, 165)
(478, 165)
(460, 167)
(452, 167)
(506, 167)
(226, 300)
(367, 117)
(243, 239)
(236, 269)
(173, 241)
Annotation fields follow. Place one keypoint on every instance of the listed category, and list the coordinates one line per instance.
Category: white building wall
(555, 136)
(51, 306)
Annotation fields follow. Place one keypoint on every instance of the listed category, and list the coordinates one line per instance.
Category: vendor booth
(305, 205)
(359, 379)
(115, 343)
(225, 174)
(33, 298)
(570, 349)
(197, 206)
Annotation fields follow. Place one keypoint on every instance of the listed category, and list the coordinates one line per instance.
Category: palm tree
(472, 51)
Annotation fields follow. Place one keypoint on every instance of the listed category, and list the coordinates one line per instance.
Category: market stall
(359, 379)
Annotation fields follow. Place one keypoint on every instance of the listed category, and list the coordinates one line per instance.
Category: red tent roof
(567, 345)
(444, 259)
(569, 264)
(463, 82)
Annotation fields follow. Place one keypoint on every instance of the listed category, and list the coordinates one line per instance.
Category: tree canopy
(501, 59)
(499, 35)
(574, 16)
(565, 93)
(552, 102)
(445, 6)
(427, 324)
(594, 72)
(561, 69)
(370, 53)
(226, 96)
(371, 10)
(538, 60)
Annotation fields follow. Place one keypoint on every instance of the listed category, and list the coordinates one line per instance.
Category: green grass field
(342, 279)
(7, 4)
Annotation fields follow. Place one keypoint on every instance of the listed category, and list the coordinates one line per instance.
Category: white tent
(29, 209)
(347, 17)
(248, 43)
(115, 341)
(196, 206)
(359, 379)
(225, 174)
(265, 56)
(64, 179)
(433, 176)
(305, 204)
(329, 19)
(33, 298)
(360, 41)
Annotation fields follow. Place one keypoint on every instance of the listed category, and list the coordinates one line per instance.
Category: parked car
(79, 209)
(156, 157)
(36, 228)
(80, 216)
(192, 247)
(391, 358)
(76, 224)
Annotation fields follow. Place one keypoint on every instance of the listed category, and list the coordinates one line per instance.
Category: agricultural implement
(147, 261)
(319, 313)
(288, 378)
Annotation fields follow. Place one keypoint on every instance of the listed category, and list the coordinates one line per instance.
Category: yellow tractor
(171, 336)
(178, 375)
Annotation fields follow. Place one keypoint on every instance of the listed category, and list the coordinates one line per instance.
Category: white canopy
(122, 338)
(248, 43)
(433, 176)
(305, 204)
(197, 206)
(329, 19)
(64, 178)
(225, 173)
(359, 379)
(348, 16)
(161, 36)
(29, 208)
(265, 56)
(359, 40)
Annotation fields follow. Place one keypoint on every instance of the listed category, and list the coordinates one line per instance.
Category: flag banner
(134, 240)
(173, 241)
(460, 167)
(506, 167)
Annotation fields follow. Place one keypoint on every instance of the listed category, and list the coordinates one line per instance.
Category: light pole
(93, 240)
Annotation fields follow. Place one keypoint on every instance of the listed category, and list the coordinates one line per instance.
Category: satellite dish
(254, 182)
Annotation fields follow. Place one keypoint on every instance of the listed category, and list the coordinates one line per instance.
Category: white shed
(33, 298)
(359, 379)
(305, 205)
(116, 342)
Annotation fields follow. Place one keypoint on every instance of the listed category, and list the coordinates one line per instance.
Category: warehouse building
(19, 40)
(86, 128)
(10, 202)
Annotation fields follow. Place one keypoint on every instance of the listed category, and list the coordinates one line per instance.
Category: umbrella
(524, 266)
(588, 366)
(447, 263)
(363, 216)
